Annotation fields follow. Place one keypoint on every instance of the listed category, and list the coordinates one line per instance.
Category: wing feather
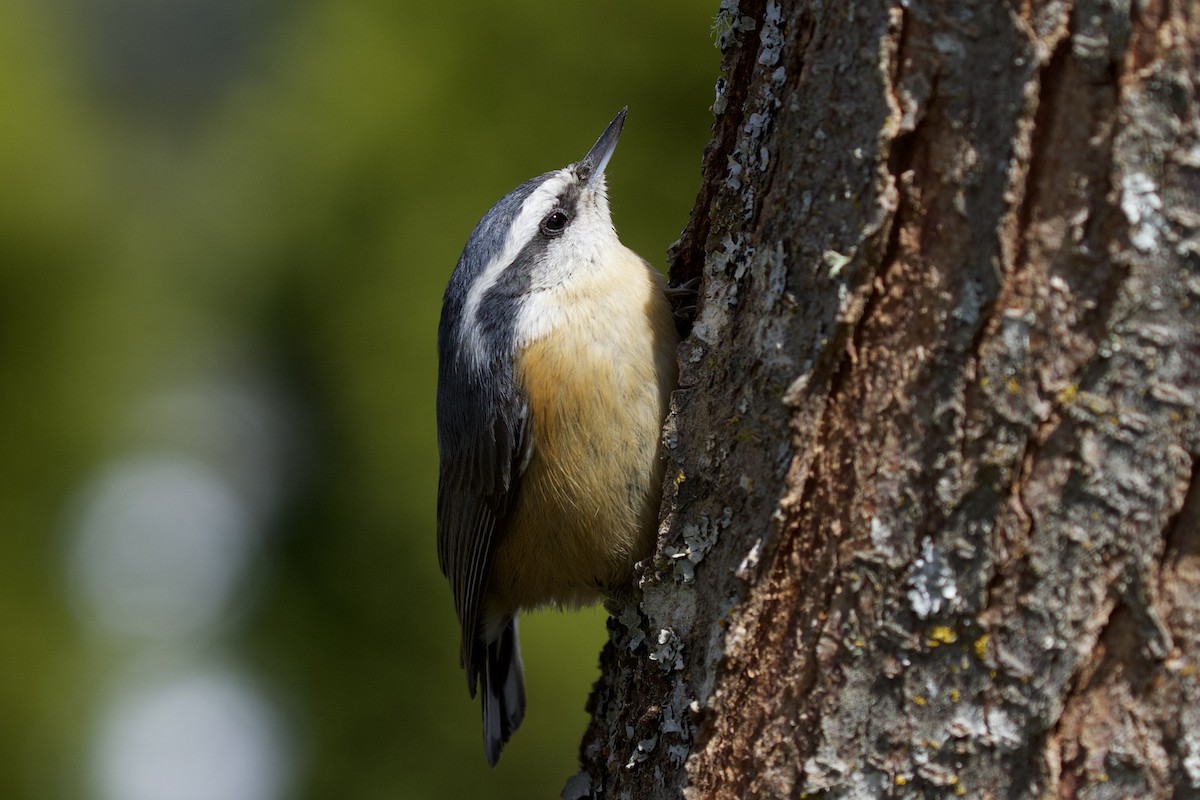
(478, 479)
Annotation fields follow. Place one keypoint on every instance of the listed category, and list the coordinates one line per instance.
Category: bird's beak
(596, 160)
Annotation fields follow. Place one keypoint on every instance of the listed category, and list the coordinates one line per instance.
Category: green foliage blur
(205, 190)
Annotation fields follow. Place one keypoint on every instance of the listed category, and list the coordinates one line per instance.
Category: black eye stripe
(555, 222)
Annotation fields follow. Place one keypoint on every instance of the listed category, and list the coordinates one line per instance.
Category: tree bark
(932, 520)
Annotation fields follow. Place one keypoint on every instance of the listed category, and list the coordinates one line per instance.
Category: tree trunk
(933, 518)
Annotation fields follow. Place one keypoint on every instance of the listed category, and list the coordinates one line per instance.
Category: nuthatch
(556, 352)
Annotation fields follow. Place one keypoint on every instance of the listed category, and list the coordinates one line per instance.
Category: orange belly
(587, 508)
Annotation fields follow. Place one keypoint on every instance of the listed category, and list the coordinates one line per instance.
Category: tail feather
(503, 679)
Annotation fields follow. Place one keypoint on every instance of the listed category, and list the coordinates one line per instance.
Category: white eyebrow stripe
(522, 229)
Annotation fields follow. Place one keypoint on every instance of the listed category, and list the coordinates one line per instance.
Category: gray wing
(478, 478)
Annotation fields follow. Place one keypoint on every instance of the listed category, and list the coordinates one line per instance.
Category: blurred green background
(225, 226)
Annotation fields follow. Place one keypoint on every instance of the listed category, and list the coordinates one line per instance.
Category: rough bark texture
(933, 521)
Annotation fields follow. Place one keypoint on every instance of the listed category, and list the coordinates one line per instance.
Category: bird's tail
(503, 691)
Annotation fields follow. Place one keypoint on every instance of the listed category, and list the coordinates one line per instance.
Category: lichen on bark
(932, 523)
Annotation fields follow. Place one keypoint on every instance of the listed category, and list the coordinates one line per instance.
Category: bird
(556, 363)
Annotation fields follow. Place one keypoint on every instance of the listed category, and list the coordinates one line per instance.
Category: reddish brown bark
(934, 521)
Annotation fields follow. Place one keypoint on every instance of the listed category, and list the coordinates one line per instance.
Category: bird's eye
(555, 222)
